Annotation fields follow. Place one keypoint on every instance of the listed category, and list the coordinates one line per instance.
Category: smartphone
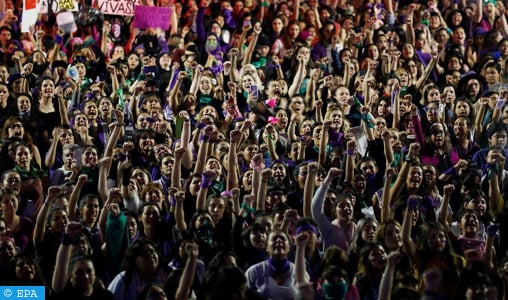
(77, 155)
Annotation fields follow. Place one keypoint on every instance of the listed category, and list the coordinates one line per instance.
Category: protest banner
(117, 7)
(152, 16)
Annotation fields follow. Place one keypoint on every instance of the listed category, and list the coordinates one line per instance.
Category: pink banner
(152, 16)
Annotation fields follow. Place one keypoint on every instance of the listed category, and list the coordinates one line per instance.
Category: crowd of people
(257, 149)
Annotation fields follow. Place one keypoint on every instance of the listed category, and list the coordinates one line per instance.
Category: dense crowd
(257, 149)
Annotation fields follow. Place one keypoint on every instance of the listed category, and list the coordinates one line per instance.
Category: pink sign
(152, 16)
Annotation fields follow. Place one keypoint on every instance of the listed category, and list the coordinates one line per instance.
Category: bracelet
(350, 152)
(204, 138)
(450, 171)
(265, 4)
(256, 167)
(205, 183)
(68, 240)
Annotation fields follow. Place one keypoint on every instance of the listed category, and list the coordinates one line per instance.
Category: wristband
(255, 167)
(204, 138)
(201, 125)
(58, 39)
(68, 240)
(408, 158)
(450, 171)
(205, 183)
(350, 152)
(265, 4)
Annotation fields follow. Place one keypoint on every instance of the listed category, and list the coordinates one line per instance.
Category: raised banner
(152, 16)
(117, 7)
(29, 15)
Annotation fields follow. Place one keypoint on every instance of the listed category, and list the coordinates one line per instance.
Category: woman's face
(459, 36)
(433, 96)
(404, 78)
(90, 211)
(279, 172)
(373, 52)
(492, 75)
(377, 258)
(203, 218)
(213, 165)
(146, 143)
(306, 128)
(118, 52)
(156, 293)
(132, 226)
(216, 208)
(456, 19)
(460, 127)
(344, 210)
(278, 244)
(393, 237)
(294, 31)
(297, 105)
(337, 120)
(277, 25)
(23, 157)
(305, 53)
(59, 221)
(478, 204)
(449, 94)
(16, 130)
(432, 112)
(4, 94)
(81, 68)
(9, 204)
(436, 240)
(408, 51)
(81, 122)
(89, 158)
(25, 269)
(91, 110)
(414, 180)
(282, 119)
(66, 137)
(150, 215)
(383, 109)
(133, 61)
(462, 109)
(47, 88)
(247, 180)
(258, 238)
(24, 104)
(205, 85)
(147, 261)
(250, 151)
(369, 231)
(469, 223)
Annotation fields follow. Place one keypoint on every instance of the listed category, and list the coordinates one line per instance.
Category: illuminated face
(277, 25)
(462, 109)
(89, 158)
(16, 130)
(205, 85)
(414, 180)
(47, 88)
(216, 209)
(4, 94)
(23, 157)
(377, 258)
(492, 75)
(133, 61)
(436, 240)
(393, 237)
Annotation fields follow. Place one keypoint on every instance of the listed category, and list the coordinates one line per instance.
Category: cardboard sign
(58, 6)
(117, 7)
(151, 16)
(29, 15)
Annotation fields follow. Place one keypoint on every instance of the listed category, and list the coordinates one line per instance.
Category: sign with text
(152, 16)
(117, 7)
(58, 6)
(29, 15)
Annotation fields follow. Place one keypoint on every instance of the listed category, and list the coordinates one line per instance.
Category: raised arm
(63, 255)
(299, 76)
(308, 190)
(385, 199)
(40, 222)
(407, 226)
(232, 177)
(247, 57)
(323, 141)
(74, 198)
(400, 183)
(179, 211)
(185, 284)
(49, 160)
(386, 284)
(301, 275)
(266, 174)
(494, 173)
(350, 160)
(207, 180)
